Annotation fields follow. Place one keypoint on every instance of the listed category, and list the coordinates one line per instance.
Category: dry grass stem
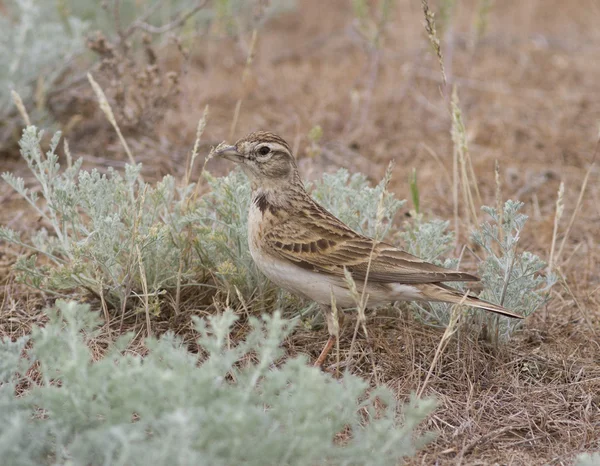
(190, 198)
(580, 308)
(455, 196)
(178, 21)
(194, 154)
(21, 107)
(144, 297)
(104, 307)
(245, 77)
(242, 301)
(448, 332)
(336, 325)
(107, 110)
(68, 153)
(362, 299)
(433, 37)
(440, 163)
(499, 201)
(178, 285)
(466, 175)
(579, 203)
(557, 216)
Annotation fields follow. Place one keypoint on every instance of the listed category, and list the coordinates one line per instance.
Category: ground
(530, 96)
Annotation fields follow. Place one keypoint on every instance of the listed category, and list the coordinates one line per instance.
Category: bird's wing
(318, 241)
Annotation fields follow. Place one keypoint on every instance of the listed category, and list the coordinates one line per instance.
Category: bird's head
(265, 158)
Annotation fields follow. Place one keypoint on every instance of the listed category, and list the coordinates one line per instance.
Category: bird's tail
(440, 292)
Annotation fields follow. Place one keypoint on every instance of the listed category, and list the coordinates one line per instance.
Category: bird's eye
(264, 150)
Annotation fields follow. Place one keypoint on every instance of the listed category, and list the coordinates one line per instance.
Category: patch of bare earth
(530, 96)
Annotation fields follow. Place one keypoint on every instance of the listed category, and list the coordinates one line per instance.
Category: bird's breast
(255, 228)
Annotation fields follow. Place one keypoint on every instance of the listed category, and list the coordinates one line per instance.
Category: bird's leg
(334, 323)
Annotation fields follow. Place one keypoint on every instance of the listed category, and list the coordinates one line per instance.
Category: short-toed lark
(303, 248)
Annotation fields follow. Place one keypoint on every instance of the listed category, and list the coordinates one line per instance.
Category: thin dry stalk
(144, 297)
(178, 287)
(361, 301)
(438, 160)
(21, 107)
(194, 154)
(489, 436)
(188, 173)
(336, 329)
(560, 206)
(433, 37)
(245, 76)
(472, 177)
(141, 19)
(130, 265)
(68, 153)
(361, 304)
(449, 49)
(499, 202)
(499, 207)
(466, 178)
(179, 20)
(107, 110)
(23, 112)
(481, 21)
(579, 202)
(450, 330)
(104, 306)
(375, 53)
(126, 293)
(378, 220)
(358, 300)
(573, 252)
(455, 189)
(243, 301)
(583, 312)
(495, 318)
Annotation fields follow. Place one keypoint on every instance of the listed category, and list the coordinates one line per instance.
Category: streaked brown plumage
(302, 247)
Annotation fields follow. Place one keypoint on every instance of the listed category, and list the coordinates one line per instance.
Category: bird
(303, 248)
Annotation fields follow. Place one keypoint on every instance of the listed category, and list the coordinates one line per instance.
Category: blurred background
(361, 75)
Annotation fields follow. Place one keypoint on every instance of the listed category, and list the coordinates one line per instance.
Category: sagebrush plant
(102, 226)
(38, 40)
(431, 241)
(588, 459)
(221, 241)
(172, 407)
(510, 277)
(355, 202)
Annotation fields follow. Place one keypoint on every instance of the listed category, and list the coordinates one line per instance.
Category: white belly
(311, 285)
(317, 286)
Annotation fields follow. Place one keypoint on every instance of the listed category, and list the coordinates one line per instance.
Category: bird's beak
(229, 153)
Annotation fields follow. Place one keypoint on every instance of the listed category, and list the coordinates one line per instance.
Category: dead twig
(179, 20)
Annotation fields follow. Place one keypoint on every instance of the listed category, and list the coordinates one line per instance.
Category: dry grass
(530, 99)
